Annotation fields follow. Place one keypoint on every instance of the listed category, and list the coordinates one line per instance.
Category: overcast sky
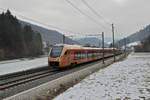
(128, 15)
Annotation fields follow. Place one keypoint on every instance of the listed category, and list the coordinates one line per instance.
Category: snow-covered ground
(21, 59)
(125, 80)
(134, 43)
(12, 66)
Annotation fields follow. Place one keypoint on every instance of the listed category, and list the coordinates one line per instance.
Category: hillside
(144, 47)
(138, 36)
(91, 41)
(51, 36)
(17, 41)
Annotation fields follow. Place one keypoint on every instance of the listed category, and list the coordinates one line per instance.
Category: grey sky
(128, 15)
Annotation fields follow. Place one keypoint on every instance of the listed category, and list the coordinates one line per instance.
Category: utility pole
(113, 42)
(103, 45)
(63, 39)
(125, 45)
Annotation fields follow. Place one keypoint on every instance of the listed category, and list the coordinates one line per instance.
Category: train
(64, 55)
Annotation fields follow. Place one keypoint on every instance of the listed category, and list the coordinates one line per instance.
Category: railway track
(14, 83)
(12, 80)
(19, 78)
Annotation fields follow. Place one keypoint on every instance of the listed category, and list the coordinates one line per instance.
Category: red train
(63, 55)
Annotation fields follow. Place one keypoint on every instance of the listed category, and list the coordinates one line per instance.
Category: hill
(91, 41)
(51, 36)
(144, 47)
(138, 36)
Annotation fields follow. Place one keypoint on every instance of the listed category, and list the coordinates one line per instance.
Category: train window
(66, 53)
(56, 52)
(84, 54)
(97, 53)
(100, 53)
(90, 54)
(77, 55)
(94, 53)
(80, 55)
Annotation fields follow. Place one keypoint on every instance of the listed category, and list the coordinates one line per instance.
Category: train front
(54, 58)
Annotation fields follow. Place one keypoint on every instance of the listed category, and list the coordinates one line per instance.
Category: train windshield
(56, 52)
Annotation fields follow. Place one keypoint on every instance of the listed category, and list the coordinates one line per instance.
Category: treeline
(17, 40)
(138, 36)
(144, 47)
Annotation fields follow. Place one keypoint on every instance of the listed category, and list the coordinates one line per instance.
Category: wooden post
(113, 42)
(103, 45)
(125, 43)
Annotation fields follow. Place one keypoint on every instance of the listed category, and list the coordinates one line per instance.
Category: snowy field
(125, 80)
(12, 66)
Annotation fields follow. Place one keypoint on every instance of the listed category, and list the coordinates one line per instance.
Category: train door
(86, 52)
(67, 57)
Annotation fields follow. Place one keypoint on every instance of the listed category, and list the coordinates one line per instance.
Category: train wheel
(73, 64)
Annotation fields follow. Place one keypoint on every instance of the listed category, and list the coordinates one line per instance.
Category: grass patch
(55, 92)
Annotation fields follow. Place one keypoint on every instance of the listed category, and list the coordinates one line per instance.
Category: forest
(17, 40)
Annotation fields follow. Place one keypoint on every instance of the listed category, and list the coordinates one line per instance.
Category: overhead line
(95, 12)
(39, 22)
(47, 25)
(27, 18)
(74, 6)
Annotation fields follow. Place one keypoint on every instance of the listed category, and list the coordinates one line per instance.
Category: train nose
(53, 63)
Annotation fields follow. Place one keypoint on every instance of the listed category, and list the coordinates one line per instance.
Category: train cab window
(56, 52)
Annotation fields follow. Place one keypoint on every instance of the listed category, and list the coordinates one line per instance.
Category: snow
(125, 80)
(17, 65)
(134, 43)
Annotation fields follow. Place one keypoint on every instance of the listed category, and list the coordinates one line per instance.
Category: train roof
(67, 46)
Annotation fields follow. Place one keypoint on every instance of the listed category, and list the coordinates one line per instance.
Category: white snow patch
(134, 44)
(17, 65)
(129, 79)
